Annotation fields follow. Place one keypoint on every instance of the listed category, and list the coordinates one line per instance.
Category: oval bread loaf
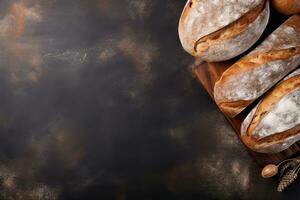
(274, 124)
(254, 74)
(219, 30)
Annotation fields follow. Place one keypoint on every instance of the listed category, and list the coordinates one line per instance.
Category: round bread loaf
(219, 30)
(287, 7)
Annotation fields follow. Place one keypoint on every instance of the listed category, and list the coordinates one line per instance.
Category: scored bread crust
(255, 73)
(263, 135)
(201, 18)
(235, 38)
(229, 31)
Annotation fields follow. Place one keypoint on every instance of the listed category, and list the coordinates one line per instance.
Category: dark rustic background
(98, 102)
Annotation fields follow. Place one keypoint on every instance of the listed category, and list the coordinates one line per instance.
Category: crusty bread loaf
(262, 68)
(274, 124)
(287, 6)
(220, 30)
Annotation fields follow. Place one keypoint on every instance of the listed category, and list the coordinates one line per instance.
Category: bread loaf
(219, 30)
(262, 68)
(274, 124)
(287, 6)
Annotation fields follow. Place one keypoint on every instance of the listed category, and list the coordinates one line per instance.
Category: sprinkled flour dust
(285, 115)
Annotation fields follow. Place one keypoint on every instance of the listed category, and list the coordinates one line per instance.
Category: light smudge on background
(106, 55)
(15, 186)
(215, 169)
(138, 10)
(18, 48)
(142, 56)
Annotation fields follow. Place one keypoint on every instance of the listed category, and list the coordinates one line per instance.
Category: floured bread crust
(254, 74)
(285, 36)
(235, 38)
(201, 19)
(274, 124)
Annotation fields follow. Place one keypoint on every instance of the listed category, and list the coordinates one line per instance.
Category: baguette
(254, 74)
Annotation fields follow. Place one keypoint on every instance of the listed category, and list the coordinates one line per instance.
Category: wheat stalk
(290, 164)
(290, 176)
(286, 180)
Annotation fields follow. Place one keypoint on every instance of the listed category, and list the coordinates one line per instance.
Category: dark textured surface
(98, 102)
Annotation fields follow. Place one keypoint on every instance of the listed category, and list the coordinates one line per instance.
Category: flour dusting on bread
(284, 116)
(279, 40)
(200, 18)
(281, 118)
(229, 48)
(261, 69)
(253, 83)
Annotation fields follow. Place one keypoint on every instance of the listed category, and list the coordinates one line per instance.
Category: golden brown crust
(287, 6)
(280, 49)
(271, 99)
(202, 18)
(186, 10)
(264, 107)
(232, 108)
(229, 31)
(278, 138)
(294, 21)
(256, 60)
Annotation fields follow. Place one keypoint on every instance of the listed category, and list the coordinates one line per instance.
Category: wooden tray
(208, 74)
